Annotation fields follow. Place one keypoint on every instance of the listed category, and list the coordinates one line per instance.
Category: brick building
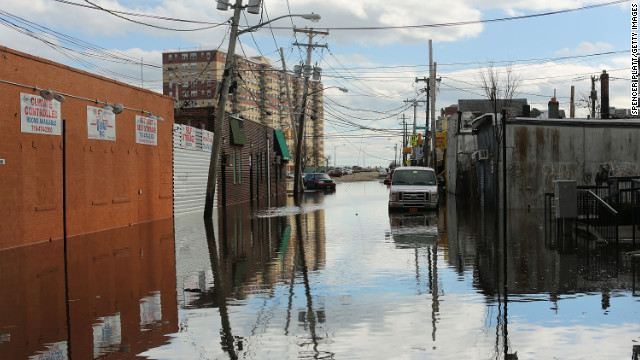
(259, 95)
(253, 162)
(115, 176)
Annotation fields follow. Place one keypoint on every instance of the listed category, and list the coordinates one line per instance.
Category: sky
(375, 48)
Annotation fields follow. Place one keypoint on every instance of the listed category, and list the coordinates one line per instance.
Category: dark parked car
(335, 173)
(319, 181)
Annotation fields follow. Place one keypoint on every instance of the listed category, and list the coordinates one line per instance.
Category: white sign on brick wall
(146, 130)
(101, 124)
(40, 116)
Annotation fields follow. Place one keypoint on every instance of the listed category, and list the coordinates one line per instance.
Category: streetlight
(254, 8)
(335, 157)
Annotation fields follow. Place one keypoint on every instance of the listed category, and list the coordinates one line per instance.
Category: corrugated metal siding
(190, 173)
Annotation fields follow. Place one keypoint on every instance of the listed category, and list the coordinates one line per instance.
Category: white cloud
(586, 47)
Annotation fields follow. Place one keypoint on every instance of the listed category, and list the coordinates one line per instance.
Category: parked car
(347, 171)
(335, 172)
(319, 181)
(413, 188)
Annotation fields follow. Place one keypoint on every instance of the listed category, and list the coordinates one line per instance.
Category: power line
(473, 22)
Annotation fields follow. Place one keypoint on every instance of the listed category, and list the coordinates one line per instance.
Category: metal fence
(597, 215)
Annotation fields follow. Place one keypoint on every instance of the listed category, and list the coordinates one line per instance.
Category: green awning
(286, 236)
(281, 145)
(237, 133)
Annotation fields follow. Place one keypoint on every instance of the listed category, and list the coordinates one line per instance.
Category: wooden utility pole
(219, 119)
(404, 139)
(303, 109)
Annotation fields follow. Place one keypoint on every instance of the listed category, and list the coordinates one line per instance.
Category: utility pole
(427, 89)
(404, 139)
(432, 94)
(219, 119)
(395, 155)
(303, 109)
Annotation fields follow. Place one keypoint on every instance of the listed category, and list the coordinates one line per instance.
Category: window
(237, 167)
(193, 56)
(170, 76)
(185, 94)
(194, 65)
(170, 93)
(208, 55)
(209, 83)
(233, 163)
(195, 83)
(202, 55)
(185, 66)
(208, 92)
(185, 56)
(208, 74)
(170, 56)
(185, 84)
(194, 93)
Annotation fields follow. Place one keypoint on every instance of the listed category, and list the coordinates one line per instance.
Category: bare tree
(327, 158)
(500, 86)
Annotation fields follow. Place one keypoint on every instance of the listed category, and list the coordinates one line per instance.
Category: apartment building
(258, 94)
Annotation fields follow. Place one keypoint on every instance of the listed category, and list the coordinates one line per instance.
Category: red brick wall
(109, 183)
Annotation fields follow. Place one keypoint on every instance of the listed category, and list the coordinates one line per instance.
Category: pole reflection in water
(310, 318)
(218, 290)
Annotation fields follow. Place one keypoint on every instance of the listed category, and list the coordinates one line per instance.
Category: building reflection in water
(246, 252)
(538, 266)
(120, 286)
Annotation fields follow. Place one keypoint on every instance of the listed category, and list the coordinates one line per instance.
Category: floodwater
(336, 277)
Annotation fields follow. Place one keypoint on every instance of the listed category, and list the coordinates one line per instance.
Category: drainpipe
(268, 171)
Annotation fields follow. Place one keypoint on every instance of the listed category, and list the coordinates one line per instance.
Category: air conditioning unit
(483, 154)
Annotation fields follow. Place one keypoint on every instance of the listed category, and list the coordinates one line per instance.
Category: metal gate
(190, 173)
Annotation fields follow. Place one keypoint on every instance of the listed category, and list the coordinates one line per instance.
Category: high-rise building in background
(259, 93)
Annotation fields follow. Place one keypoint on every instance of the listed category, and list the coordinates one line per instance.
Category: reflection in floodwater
(121, 291)
(334, 277)
(339, 277)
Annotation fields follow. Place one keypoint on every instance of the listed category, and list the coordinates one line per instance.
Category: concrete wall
(460, 146)
(541, 151)
(108, 183)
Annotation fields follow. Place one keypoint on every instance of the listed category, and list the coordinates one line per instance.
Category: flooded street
(337, 277)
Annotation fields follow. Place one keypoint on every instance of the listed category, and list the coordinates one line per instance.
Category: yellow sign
(413, 140)
(441, 140)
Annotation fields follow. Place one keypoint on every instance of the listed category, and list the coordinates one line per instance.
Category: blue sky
(379, 66)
